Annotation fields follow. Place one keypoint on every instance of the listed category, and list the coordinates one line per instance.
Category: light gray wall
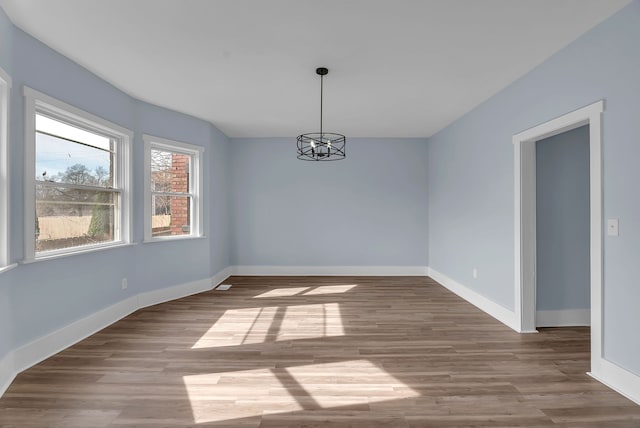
(219, 197)
(367, 210)
(6, 330)
(6, 41)
(47, 295)
(562, 216)
(6, 316)
(470, 174)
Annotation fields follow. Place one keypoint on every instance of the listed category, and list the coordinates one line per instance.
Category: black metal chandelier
(321, 146)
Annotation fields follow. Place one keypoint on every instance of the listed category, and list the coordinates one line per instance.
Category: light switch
(612, 227)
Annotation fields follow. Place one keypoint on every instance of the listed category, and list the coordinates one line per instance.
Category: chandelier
(321, 146)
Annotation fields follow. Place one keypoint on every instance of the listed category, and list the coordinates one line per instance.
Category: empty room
(339, 213)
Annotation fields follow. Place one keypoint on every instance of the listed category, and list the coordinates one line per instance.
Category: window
(5, 83)
(173, 189)
(77, 188)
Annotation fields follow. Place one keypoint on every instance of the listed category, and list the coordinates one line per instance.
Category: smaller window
(173, 188)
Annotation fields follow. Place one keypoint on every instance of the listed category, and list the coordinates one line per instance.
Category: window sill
(76, 253)
(172, 239)
(8, 267)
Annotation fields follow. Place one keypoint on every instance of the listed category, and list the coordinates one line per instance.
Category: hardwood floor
(318, 352)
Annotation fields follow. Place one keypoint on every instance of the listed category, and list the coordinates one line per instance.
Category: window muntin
(172, 189)
(77, 188)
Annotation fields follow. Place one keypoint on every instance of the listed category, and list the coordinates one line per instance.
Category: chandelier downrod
(322, 72)
(321, 146)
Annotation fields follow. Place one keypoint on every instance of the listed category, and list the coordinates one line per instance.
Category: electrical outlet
(124, 283)
(475, 273)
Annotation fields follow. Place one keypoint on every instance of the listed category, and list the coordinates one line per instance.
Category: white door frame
(525, 217)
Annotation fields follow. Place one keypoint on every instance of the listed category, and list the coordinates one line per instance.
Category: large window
(5, 83)
(173, 188)
(77, 186)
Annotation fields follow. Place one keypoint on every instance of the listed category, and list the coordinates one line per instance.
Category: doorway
(562, 229)
(525, 218)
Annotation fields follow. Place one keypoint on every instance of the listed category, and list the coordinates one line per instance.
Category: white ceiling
(398, 68)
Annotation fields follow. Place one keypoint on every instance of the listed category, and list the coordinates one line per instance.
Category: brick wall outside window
(180, 214)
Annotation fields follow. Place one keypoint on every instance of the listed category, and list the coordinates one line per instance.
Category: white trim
(7, 372)
(563, 318)
(196, 191)
(220, 277)
(73, 251)
(5, 230)
(32, 353)
(620, 380)
(623, 381)
(83, 116)
(29, 192)
(524, 216)
(37, 101)
(525, 209)
(497, 311)
(8, 267)
(6, 77)
(87, 249)
(172, 145)
(162, 295)
(329, 270)
(172, 238)
(595, 233)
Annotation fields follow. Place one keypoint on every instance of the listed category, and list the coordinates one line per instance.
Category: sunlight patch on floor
(330, 289)
(272, 323)
(306, 291)
(282, 292)
(347, 383)
(239, 327)
(213, 397)
(311, 321)
(218, 401)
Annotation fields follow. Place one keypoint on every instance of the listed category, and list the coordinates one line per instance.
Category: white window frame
(196, 191)
(5, 87)
(37, 102)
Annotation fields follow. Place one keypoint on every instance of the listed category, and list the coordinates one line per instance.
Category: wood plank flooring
(312, 352)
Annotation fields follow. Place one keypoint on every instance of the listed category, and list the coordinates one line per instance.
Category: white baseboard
(615, 377)
(221, 276)
(32, 353)
(329, 270)
(7, 372)
(162, 295)
(563, 318)
(497, 311)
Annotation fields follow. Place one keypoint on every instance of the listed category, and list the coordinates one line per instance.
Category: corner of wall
(497, 311)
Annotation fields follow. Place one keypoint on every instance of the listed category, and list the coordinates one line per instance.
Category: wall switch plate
(612, 227)
(124, 283)
(475, 273)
